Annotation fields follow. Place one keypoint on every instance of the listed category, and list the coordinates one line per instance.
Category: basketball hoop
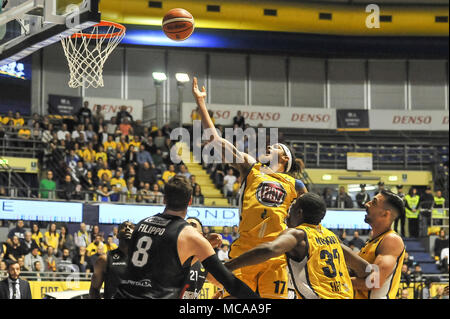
(88, 50)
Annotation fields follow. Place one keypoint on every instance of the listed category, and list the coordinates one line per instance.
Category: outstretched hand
(196, 91)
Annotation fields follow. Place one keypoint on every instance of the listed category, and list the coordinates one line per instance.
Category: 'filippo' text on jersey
(151, 230)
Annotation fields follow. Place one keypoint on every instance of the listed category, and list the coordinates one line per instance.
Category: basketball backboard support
(27, 26)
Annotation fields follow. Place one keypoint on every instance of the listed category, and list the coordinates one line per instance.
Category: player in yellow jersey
(385, 251)
(266, 194)
(316, 260)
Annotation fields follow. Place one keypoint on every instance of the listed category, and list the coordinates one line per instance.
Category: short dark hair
(198, 221)
(11, 262)
(313, 207)
(394, 201)
(177, 193)
(123, 225)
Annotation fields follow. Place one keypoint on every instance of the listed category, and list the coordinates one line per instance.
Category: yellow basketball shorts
(269, 279)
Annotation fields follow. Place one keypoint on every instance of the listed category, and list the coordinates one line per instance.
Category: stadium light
(182, 77)
(159, 76)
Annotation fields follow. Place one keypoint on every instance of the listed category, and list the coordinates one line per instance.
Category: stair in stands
(213, 196)
(416, 249)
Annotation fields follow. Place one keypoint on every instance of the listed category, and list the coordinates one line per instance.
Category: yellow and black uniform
(39, 240)
(264, 203)
(391, 285)
(322, 274)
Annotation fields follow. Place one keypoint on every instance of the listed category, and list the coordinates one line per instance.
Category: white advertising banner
(268, 116)
(317, 118)
(408, 120)
(110, 107)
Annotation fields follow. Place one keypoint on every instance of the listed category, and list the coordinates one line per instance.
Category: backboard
(30, 25)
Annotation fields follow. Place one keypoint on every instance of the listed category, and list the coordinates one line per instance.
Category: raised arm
(287, 241)
(241, 160)
(192, 243)
(97, 277)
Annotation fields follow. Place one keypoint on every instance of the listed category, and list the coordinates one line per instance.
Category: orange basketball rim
(87, 51)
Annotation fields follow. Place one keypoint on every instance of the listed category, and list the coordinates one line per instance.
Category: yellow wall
(39, 288)
(413, 177)
(291, 17)
(29, 164)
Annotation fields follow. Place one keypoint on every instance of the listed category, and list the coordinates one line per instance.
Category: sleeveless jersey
(322, 274)
(264, 203)
(116, 265)
(391, 285)
(195, 281)
(154, 270)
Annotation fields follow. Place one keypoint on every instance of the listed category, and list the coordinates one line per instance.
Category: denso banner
(110, 107)
(409, 120)
(268, 116)
(320, 118)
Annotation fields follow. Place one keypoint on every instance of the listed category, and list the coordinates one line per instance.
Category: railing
(51, 276)
(86, 196)
(16, 147)
(418, 284)
(392, 156)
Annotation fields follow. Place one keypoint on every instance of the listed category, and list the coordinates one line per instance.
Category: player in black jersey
(163, 249)
(198, 273)
(110, 267)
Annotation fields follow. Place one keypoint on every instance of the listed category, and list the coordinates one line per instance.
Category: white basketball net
(87, 53)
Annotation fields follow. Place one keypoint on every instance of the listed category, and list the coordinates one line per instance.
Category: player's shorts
(269, 279)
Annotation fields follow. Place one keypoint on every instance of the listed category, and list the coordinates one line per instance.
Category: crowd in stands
(56, 250)
(422, 207)
(90, 158)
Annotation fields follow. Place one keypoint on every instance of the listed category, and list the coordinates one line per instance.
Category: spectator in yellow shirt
(37, 236)
(167, 175)
(93, 247)
(154, 127)
(110, 245)
(110, 145)
(88, 153)
(135, 142)
(18, 120)
(122, 145)
(117, 179)
(51, 237)
(104, 170)
(7, 118)
(24, 133)
(101, 154)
